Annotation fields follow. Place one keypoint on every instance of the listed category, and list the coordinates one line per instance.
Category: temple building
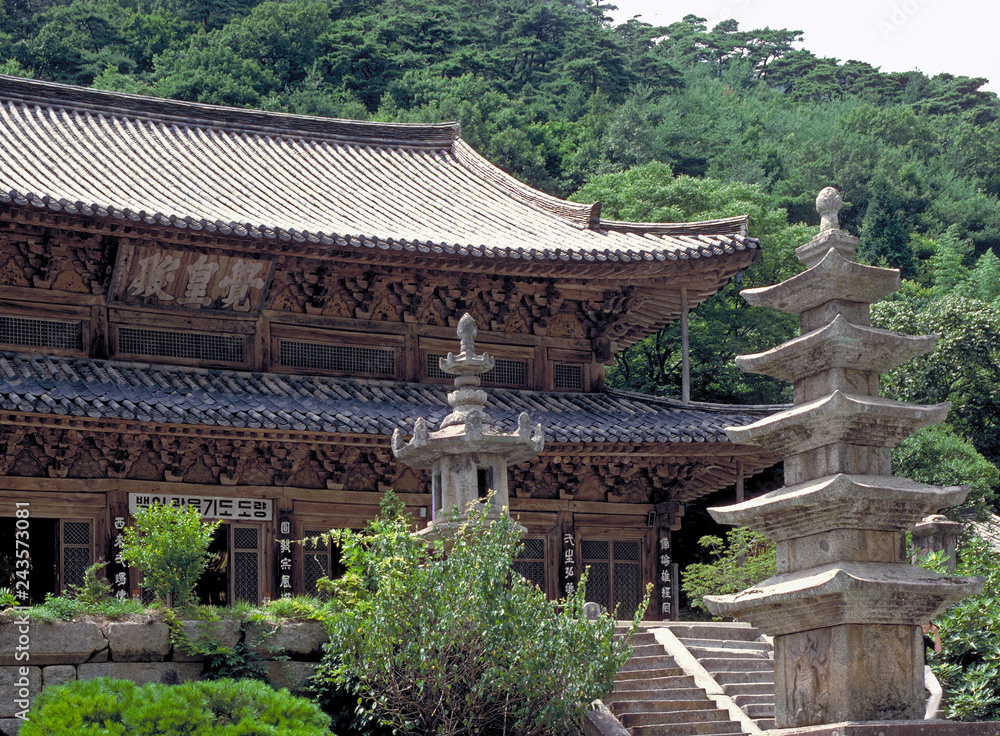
(235, 309)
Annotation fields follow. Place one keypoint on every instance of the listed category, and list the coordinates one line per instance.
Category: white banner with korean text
(211, 507)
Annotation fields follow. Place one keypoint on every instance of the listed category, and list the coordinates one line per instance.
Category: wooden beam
(685, 358)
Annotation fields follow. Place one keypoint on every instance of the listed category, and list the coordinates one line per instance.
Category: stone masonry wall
(138, 651)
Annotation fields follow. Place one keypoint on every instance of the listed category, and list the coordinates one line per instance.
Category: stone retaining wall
(138, 651)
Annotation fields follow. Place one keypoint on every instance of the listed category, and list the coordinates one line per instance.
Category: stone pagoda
(467, 456)
(844, 607)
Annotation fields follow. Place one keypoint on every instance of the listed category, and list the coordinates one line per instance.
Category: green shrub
(94, 589)
(742, 561)
(169, 544)
(969, 663)
(438, 643)
(104, 707)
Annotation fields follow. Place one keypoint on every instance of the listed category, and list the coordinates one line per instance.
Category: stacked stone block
(844, 607)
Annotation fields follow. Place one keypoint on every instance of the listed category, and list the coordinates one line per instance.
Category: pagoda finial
(466, 366)
(828, 204)
(467, 332)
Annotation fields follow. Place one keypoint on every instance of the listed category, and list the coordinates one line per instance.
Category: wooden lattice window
(615, 573)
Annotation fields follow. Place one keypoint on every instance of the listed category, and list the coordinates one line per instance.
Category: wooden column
(739, 482)
(685, 358)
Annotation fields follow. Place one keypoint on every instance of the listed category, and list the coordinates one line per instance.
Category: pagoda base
(895, 728)
(850, 672)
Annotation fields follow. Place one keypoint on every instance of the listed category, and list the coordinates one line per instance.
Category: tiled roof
(989, 530)
(164, 394)
(345, 184)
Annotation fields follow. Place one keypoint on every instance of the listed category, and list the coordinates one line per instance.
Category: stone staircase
(739, 659)
(654, 696)
(696, 679)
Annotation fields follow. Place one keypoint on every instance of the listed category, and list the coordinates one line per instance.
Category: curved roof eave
(278, 177)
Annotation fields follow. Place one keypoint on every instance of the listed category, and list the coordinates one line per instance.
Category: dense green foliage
(456, 644)
(969, 663)
(104, 707)
(744, 559)
(169, 544)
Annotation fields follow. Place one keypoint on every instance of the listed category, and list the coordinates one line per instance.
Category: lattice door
(615, 573)
(74, 551)
(246, 563)
(530, 561)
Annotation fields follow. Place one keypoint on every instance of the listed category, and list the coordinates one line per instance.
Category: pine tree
(947, 271)
(884, 241)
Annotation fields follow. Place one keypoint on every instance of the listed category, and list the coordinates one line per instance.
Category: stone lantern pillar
(467, 456)
(845, 607)
(937, 533)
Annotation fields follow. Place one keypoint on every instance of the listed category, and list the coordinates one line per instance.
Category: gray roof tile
(344, 184)
(163, 393)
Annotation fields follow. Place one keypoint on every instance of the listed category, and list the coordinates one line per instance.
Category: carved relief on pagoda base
(848, 673)
(63, 260)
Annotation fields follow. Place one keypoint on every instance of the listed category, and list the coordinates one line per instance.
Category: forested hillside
(658, 123)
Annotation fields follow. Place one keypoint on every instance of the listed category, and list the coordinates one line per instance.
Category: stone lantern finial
(828, 204)
(468, 456)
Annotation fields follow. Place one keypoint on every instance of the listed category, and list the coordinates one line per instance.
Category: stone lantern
(845, 607)
(467, 456)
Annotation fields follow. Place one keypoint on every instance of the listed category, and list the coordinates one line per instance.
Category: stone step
(668, 693)
(631, 720)
(764, 724)
(728, 653)
(621, 632)
(749, 688)
(652, 673)
(665, 682)
(728, 664)
(727, 631)
(760, 710)
(649, 662)
(755, 699)
(647, 650)
(621, 707)
(738, 645)
(717, 728)
(758, 677)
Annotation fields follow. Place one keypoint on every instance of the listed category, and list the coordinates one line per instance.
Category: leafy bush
(94, 589)
(169, 544)
(969, 663)
(440, 643)
(105, 707)
(744, 559)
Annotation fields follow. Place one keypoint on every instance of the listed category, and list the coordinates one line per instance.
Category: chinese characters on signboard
(666, 578)
(569, 564)
(178, 278)
(284, 558)
(211, 507)
(117, 568)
